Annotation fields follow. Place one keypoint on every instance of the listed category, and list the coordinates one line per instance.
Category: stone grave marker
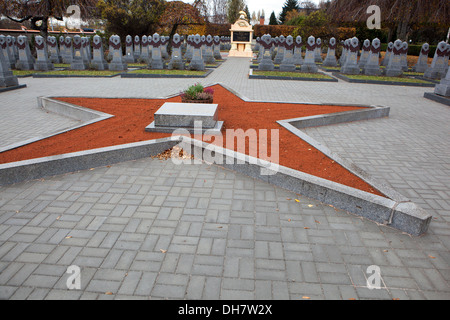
(288, 65)
(137, 48)
(443, 89)
(309, 63)
(346, 47)
(217, 54)
(26, 59)
(189, 49)
(404, 57)
(298, 44)
(6, 53)
(176, 61)
(438, 67)
(10, 47)
(98, 60)
(7, 79)
(372, 67)
(197, 62)
(209, 54)
(318, 51)
(266, 63)
(42, 62)
(351, 62)
(422, 62)
(394, 68)
(117, 63)
(157, 60)
(79, 61)
(281, 49)
(53, 49)
(365, 52)
(145, 53)
(388, 54)
(68, 57)
(129, 51)
(164, 45)
(330, 60)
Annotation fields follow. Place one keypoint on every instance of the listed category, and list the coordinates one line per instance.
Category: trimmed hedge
(413, 49)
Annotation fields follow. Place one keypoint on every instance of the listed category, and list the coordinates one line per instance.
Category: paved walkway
(226, 235)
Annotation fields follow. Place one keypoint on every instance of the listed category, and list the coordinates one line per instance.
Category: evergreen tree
(289, 5)
(273, 20)
(234, 7)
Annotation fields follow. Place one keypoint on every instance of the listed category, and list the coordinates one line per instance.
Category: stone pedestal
(173, 116)
(443, 89)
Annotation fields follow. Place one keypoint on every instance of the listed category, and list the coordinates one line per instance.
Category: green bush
(413, 49)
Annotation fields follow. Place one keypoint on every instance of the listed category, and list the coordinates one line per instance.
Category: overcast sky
(268, 6)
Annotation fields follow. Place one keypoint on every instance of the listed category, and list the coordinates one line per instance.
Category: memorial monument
(241, 37)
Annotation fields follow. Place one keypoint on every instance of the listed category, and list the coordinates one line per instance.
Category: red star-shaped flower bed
(131, 116)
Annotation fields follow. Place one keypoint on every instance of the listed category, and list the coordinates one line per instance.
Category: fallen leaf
(305, 297)
(432, 257)
(296, 200)
(306, 228)
(162, 250)
(289, 220)
(317, 221)
(310, 205)
(109, 293)
(352, 299)
(58, 218)
(288, 199)
(69, 237)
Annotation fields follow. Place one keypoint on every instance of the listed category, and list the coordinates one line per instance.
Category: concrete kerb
(84, 115)
(21, 171)
(402, 214)
(437, 98)
(5, 89)
(397, 211)
(174, 76)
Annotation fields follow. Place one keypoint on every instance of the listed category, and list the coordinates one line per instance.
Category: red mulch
(133, 115)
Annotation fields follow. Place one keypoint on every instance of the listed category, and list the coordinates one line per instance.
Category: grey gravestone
(209, 53)
(145, 53)
(203, 40)
(388, 54)
(438, 67)
(372, 67)
(68, 57)
(10, 47)
(217, 54)
(53, 49)
(7, 79)
(197, 62)
(344, 55)
(164, 44)
(260, 49)
(62, 47)
(422, 62)
(318, 51)
(404, 57)
(280, 53)
(117, 63)
(150, 48)
(443, 89)
(98, 60)
(84, 46)
(26, 59)
(189, 48)
(157, 61)
(16, 50)
(309, 64)
(351, 62)
(266, 63)
(177, 58)
(298, 44)
(330, 60)
(365, 52)
(288, 65)
(42, 63)
(129, 52)
(6, 53)
(394, 68)
(79, 61)
(137, 48)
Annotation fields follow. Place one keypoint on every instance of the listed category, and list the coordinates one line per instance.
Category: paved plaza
(152, 229)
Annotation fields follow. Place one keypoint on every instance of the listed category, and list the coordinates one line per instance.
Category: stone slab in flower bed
(146, 73)
(298, 76)
(392, 81)
(437, 98)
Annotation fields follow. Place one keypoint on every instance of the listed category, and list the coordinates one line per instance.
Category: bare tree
(395, 14)
(218, 11)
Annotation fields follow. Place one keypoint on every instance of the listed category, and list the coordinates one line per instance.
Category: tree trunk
(172, 33)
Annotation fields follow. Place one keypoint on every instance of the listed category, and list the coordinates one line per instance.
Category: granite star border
(394, 210)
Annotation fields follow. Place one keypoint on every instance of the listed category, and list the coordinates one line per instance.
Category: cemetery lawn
(291, 74)
(24, 73)
(131, 116)
(169, 72)
(61, 65)
(85, 73)
(387, 79)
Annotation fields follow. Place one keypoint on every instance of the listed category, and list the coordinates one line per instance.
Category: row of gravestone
(395, 61)
(79, 53)
(287, 52)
